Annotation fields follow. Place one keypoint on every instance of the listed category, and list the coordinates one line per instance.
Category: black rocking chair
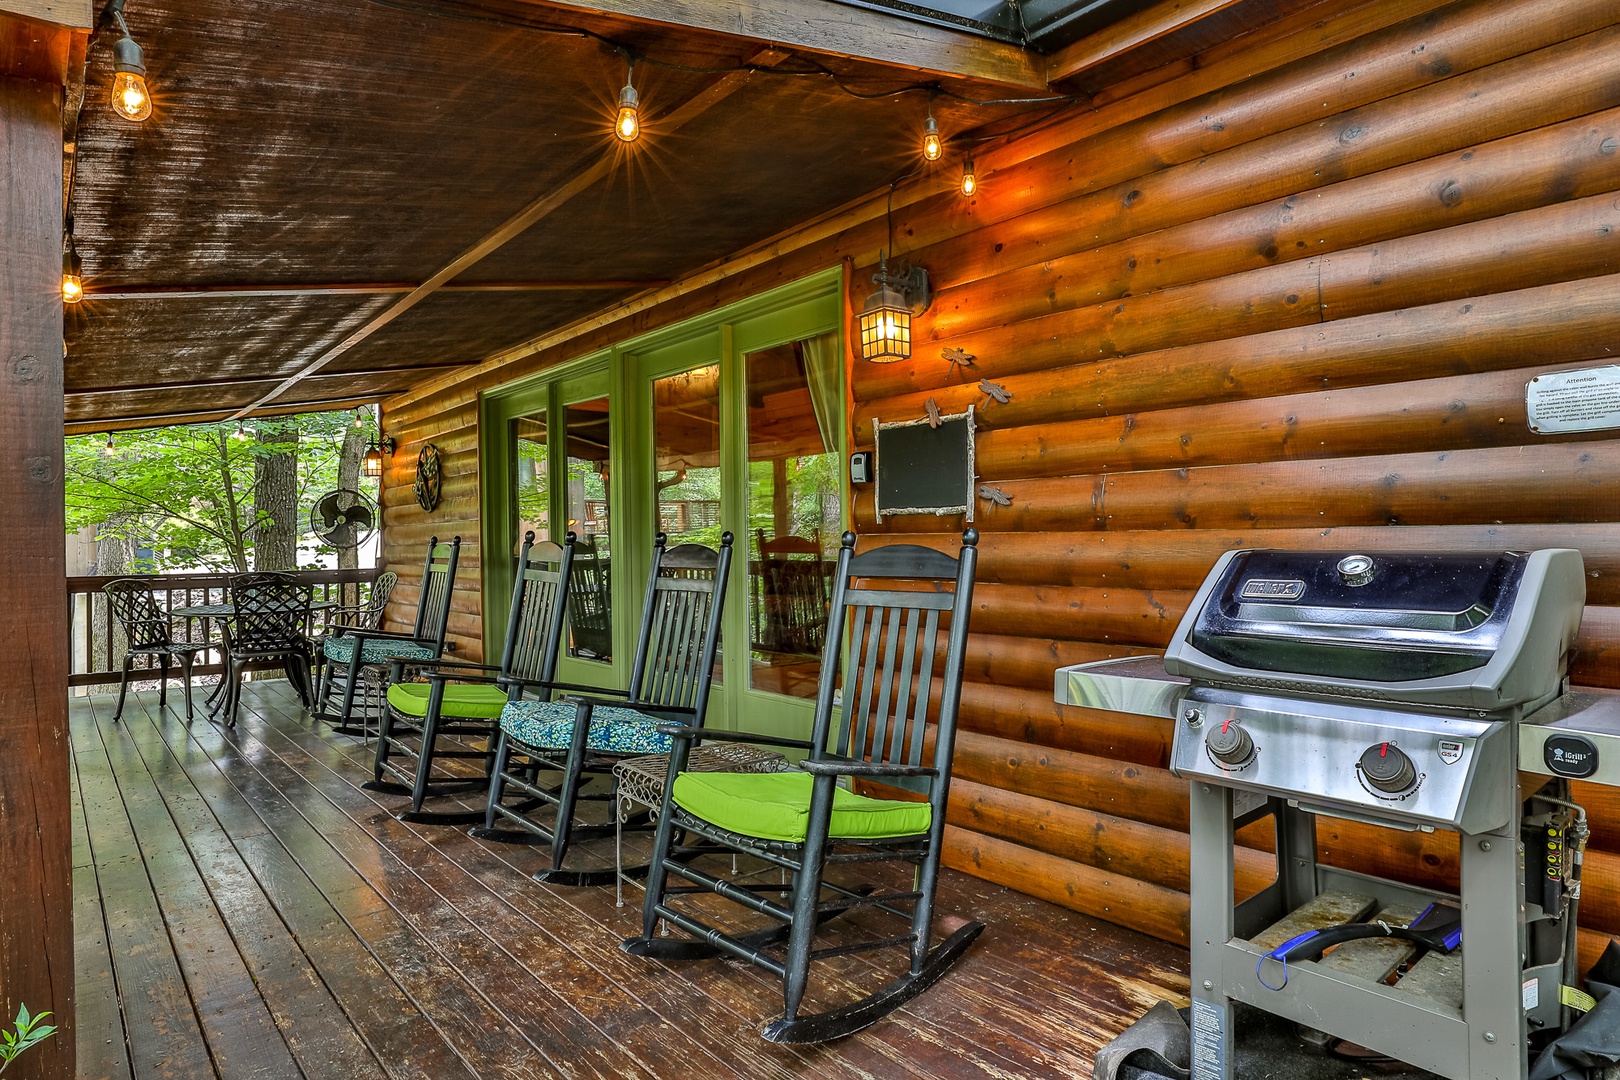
(351, 649)
(805, 822)
(272, 612)
(464, 700)
(583, 737)
(148, 629)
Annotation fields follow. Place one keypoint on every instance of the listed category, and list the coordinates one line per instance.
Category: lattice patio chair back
(878, 728)
(271, 613)
(149, 632)
(349, 649)
(584, 734)
(463, 701)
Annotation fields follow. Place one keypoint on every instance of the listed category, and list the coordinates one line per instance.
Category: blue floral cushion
(340, 650)
(549, 725)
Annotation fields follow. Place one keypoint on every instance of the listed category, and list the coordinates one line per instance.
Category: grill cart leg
(1211, 926)
(1494, 997)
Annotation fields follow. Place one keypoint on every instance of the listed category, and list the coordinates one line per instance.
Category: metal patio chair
(888, 605)
(150, 632)
(350, 649)
(463, 700)
(271, 614)
(579, 737)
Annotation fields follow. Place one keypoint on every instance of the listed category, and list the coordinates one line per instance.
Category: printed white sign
(1585, 400)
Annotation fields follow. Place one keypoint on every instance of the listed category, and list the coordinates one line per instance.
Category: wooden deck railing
(95, 641)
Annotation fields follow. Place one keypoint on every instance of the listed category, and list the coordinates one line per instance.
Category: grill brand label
(1570, 755)
(1272, 589)
(1450, 751)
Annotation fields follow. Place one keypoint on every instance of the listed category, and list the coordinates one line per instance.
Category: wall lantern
(372, 463)
(885, 321)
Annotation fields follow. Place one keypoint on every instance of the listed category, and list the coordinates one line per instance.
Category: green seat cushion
(549, 725)
(340, 650)
(776, 806)
(467, 701)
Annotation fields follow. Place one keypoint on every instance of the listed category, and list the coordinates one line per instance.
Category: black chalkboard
(923, 469)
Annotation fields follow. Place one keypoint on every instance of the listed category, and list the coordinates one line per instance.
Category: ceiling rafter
(1150, 24)
(837, 30)
(520, 222)
(386, 288)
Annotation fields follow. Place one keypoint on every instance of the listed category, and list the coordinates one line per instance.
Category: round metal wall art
(428, 480)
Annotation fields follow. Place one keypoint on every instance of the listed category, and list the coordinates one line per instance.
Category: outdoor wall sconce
(372, 463)
(885, 322)
(130, 97)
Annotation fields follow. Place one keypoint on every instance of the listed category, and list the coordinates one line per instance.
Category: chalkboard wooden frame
(919, 465)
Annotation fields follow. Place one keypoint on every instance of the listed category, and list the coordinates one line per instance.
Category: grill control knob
(1355, 570)
(1387, 768)
(1229, 743)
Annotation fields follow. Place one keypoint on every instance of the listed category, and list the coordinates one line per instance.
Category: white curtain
(823, 370)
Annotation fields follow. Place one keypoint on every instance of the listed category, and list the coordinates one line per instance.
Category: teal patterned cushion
(340, 650)
(549, 725)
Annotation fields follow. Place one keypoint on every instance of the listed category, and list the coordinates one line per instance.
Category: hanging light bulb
(359, 421)
(130, 97)
(72, 284)
(241, 431)
(932, 146)
(970, 179)
(110, 450)
(627, 125)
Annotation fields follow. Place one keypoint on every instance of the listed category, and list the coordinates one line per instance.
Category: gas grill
(1393, 689)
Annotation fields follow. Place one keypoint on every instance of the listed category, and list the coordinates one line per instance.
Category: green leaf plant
(30, 1031)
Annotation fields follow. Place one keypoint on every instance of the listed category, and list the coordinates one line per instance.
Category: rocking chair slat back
(892, 675)
(438, 575)
(675, 650)
(539, 606)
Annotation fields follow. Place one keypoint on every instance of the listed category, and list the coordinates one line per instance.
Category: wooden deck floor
(244, 909)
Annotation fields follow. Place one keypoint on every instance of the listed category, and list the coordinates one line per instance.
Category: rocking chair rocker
(582, 737)
(465, 700)
(804, 822)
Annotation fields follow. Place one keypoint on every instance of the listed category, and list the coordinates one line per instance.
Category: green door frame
(625, 372)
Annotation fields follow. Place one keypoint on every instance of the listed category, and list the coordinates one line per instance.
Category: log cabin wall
(1288, 293)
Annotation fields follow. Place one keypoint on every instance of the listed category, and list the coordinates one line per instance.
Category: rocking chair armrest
(864, 768)
(362, 634)
(443, 662)
(639, 706)
(458, 676)
(553, 684)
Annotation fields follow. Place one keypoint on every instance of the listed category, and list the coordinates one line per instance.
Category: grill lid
(1476, 630)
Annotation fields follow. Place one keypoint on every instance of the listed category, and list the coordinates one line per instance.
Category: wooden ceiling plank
(522, 221)
(1148, 25)
(220, 384)
(839, 30)
(208, 416)
(216, 291)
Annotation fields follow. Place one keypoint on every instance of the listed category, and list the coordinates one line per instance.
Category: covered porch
(243, 908)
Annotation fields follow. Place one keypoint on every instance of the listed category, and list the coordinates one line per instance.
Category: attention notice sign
(1585, 400)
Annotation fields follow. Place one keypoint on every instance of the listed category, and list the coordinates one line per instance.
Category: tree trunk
(112, 558)
(354, 446)
(275, 499)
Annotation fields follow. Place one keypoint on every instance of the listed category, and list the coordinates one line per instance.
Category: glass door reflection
(686, 460)
(795, 512)
(531, 478)
(586, 434)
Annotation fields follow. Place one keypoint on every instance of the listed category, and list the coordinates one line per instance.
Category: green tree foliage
(190, 493)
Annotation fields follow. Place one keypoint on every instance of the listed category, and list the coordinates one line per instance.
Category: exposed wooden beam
(75, 14)
(524, 219)
(838, 30)
(1129, 33)
(208, 416)
(217, 384)
(216, 290)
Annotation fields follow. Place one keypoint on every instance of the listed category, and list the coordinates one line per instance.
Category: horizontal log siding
(1285, 294)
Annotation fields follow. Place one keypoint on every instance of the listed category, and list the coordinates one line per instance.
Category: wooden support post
(36, 912)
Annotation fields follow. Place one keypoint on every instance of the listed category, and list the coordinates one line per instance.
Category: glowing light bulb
(130, 97)
(932, 146)
(110, 450)
(241, 432)
(72, 288)
(359, 421)
(627, 126)
(970, 180)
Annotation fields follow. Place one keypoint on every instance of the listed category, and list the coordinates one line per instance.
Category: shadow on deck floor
(243, 908)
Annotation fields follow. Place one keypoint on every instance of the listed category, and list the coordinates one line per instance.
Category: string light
(72, 279)
(359, 421)
(241, 431)
(130, 97)
(932, 148)
(627, 126)
(110, 450)
(970, 179)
